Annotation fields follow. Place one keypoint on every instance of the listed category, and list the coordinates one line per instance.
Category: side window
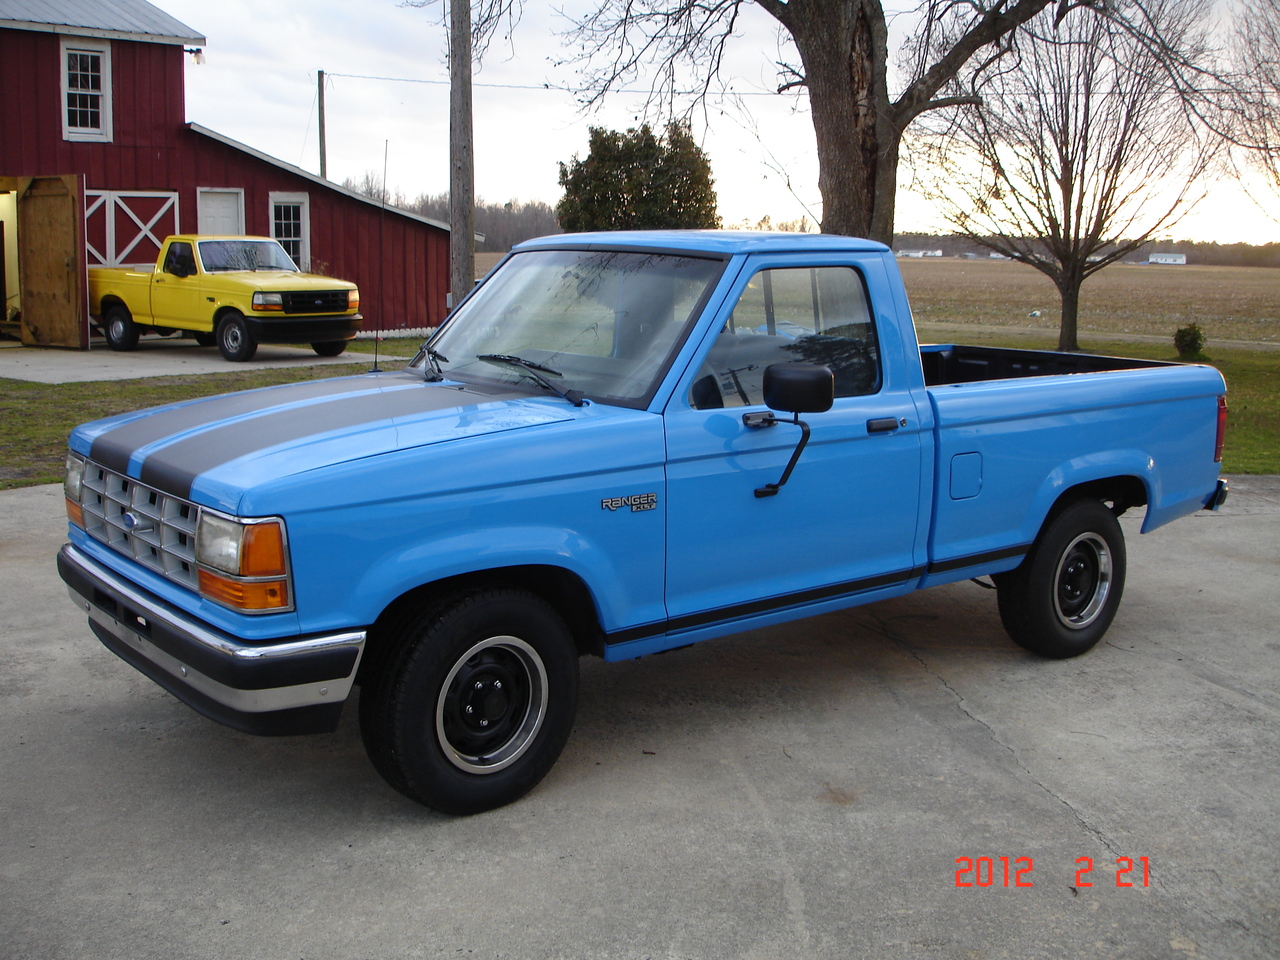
(180, 261)
(792, 315)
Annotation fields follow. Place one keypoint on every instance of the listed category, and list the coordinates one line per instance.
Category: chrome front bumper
(275, 688)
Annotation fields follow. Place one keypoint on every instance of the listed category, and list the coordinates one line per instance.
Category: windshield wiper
(534, 371)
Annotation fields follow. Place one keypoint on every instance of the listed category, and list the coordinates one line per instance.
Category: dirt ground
(1229, 303)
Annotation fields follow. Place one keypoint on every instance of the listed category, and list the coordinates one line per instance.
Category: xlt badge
(637, 502)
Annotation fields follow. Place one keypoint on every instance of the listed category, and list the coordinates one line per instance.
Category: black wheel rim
(1082, 582)
(491, 705)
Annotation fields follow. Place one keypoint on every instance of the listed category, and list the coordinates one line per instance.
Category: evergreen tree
(637, 181)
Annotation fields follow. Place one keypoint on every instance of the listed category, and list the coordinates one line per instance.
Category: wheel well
(565, 592)
(111, 301)
(1119, 493)
(222, 312)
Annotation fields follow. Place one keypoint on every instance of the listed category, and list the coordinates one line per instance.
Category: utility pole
(462, 204)
(324, 160)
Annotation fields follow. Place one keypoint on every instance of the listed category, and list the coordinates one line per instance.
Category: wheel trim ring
(117, 329)
(507, 753)
(231, 337)
(1099, 554)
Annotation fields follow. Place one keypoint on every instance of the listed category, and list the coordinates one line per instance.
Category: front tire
(235, 342)
(1061, 600)
(471, 701)
(120, 330)
(329, 348)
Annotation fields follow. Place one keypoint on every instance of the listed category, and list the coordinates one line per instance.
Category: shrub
(1189, 341)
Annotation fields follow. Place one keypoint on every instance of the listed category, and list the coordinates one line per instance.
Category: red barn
(98, 165)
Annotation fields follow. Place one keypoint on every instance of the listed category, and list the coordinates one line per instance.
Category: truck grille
(315, 301)
(153, 528)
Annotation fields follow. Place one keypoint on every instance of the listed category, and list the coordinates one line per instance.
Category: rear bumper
(304, 329)
(287, 687)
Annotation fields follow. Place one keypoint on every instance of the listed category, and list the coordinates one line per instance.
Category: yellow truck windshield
(223, 256)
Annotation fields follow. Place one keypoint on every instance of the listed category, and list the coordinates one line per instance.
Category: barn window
(291, 226)
(86, 89)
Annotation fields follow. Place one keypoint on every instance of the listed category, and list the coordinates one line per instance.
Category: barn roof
(299, 172)
(109, 19)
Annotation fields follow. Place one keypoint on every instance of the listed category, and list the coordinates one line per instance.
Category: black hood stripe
(174, 467)
(114, 448)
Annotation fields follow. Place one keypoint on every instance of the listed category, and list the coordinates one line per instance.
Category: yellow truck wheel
(235, 342)
(120, 330)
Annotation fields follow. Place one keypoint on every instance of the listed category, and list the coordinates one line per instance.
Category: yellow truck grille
(315, 301)
(153, 528)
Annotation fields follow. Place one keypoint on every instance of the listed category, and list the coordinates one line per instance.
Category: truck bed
(955, 363)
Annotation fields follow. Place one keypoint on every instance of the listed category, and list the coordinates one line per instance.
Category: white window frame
(304, 201)
(104, 133)
(201, 191)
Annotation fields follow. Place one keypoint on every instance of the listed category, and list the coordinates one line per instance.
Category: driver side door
(848, 520)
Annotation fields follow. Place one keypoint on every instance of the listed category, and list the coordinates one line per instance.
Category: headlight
(353, 299)
(242, 563)
(268, 301)
(72, 484)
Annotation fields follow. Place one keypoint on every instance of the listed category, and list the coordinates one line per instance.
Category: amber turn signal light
(242, 595)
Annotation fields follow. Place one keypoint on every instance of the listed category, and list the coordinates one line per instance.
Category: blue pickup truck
(618, 444)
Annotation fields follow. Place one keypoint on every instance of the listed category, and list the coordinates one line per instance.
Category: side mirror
(799, 387)
(794, 388)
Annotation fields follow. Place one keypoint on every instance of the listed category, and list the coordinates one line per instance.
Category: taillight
(1222, 430)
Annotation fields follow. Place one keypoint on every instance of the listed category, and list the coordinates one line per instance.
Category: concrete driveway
(801, 791)
(154, 357)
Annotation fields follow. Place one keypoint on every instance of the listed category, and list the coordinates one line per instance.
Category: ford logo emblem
(135, 523)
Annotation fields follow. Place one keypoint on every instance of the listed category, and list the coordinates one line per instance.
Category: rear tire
(330, 348)
(1061, 600)
(472, 700)
(235, 342)
(119, 328)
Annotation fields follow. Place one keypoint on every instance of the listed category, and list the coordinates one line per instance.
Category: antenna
(382, 265)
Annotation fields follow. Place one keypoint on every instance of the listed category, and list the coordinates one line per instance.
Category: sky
(387, 102)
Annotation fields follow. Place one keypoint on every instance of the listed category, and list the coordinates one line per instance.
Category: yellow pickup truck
(236, 292)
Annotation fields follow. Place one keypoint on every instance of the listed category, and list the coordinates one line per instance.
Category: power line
(543, 86)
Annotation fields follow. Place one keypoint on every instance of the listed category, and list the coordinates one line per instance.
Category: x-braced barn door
(126, 227)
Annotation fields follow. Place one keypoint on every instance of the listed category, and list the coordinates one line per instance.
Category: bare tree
(1084, 145)
(1257, 103)
(844, 66)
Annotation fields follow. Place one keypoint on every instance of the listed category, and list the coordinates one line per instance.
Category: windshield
(220, 256)
(604, 323)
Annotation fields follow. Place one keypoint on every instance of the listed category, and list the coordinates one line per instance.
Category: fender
(486, 549)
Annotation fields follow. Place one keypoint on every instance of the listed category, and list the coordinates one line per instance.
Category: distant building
(98, 164)
(1168, 259)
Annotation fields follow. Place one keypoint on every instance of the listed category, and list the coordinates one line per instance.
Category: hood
(221, 446)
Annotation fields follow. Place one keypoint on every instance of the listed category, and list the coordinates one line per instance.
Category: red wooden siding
(400, 263)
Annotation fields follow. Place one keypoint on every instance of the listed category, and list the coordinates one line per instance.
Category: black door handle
(884, 424)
